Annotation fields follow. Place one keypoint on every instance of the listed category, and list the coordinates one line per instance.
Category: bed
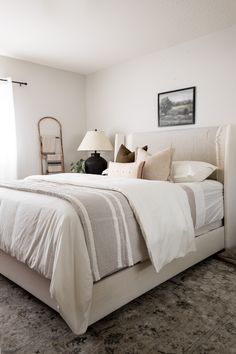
(215, 145)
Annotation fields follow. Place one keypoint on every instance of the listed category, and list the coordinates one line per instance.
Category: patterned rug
(195, 312)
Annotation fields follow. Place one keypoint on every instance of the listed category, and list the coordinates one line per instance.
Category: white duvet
(161, 208)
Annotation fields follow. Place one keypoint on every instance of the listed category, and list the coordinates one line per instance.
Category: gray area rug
(195, 312)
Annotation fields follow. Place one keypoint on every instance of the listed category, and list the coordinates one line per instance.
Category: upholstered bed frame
(216, 145)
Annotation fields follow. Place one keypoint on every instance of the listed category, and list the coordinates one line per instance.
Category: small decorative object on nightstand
(95, 141)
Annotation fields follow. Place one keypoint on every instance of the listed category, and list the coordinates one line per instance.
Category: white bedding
(209, 201)
(161, 208)
(214, 201)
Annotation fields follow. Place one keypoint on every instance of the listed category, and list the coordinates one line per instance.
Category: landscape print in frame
(176, 107)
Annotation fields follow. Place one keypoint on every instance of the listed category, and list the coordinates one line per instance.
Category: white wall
(123, 98)
(50, 92)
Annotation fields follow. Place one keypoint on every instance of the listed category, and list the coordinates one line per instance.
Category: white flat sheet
(209, 200)
(214, 201)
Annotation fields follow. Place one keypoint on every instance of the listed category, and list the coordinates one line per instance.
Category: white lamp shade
(95, 140)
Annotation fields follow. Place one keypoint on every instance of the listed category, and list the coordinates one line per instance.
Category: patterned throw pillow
(127, 170)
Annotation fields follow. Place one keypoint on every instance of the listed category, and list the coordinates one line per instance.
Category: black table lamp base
(95, 164)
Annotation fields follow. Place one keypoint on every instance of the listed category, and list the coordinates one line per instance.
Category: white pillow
(127, 170)
(191, 171)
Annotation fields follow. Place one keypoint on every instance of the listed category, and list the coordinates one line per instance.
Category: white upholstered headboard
(216, 145)
(198, 144)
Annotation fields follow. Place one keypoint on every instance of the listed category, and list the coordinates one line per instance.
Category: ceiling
(88, 35)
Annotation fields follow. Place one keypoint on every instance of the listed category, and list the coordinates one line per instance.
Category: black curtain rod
(16, 82)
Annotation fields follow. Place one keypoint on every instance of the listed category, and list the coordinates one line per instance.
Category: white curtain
(8, 152)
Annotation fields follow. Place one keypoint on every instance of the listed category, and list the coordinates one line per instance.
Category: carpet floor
(195, 312)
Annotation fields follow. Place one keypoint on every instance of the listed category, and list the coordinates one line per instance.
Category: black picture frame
(178, 107)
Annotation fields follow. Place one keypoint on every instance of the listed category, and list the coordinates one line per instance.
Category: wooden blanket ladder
(51, 146)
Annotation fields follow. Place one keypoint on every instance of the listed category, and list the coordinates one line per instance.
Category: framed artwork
(176, 107)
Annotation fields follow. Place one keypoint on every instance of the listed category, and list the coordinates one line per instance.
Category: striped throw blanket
(108, 223)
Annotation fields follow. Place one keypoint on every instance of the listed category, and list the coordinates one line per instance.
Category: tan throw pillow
(127, 170)
(157, 166)
(124, 155)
